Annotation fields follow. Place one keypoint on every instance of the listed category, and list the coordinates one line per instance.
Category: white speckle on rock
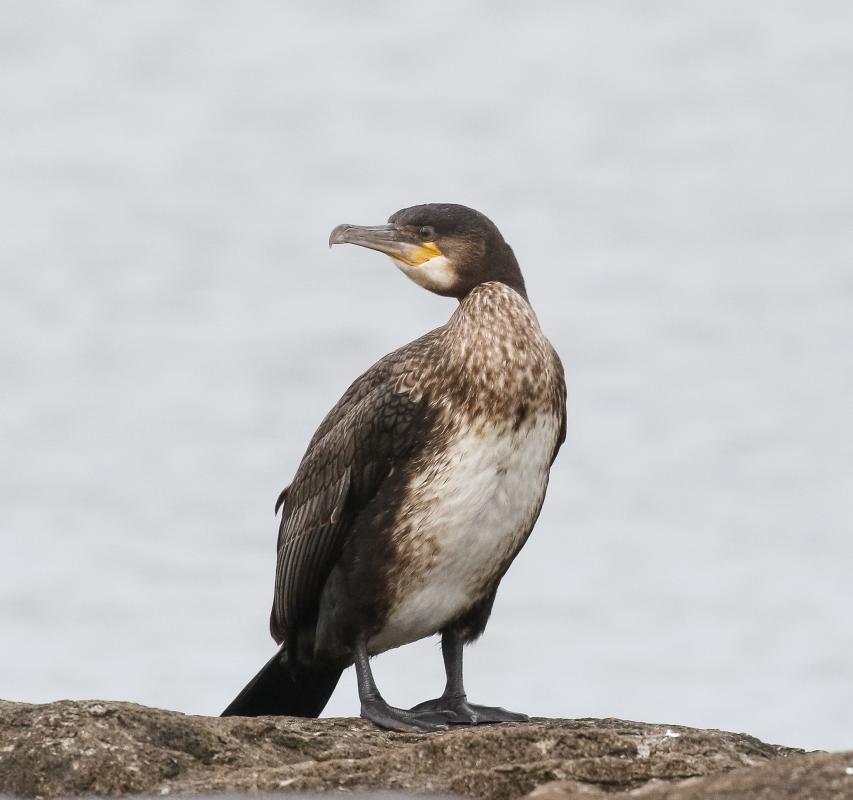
(671, 734)
(282, 784)
(165, 790)
(97, 710)
(848, 771)
(643, 751)
(544, 746)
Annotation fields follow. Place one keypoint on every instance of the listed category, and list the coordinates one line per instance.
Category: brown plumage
(420, 485)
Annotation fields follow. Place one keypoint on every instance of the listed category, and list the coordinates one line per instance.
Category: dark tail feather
(282, 688)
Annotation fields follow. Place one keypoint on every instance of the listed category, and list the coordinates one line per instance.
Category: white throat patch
(435, 274)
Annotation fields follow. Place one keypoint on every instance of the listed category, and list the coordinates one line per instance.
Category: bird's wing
(371, 429)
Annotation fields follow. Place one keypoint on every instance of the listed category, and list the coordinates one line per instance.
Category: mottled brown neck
(495, 362)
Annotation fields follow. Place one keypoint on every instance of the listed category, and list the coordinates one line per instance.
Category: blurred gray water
(677, 180)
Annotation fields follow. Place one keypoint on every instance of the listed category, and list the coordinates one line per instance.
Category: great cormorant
(420, 486)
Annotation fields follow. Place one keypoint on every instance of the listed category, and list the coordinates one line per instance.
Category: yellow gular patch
(418, 255)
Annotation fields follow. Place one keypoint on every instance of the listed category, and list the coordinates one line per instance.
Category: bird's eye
(427, 233)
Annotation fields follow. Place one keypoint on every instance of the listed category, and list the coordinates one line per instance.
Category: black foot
(398, 719)
(465, 713)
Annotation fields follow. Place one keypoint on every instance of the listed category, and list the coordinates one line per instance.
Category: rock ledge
(73, 748)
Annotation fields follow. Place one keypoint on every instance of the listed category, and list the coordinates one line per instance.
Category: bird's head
(446, 248)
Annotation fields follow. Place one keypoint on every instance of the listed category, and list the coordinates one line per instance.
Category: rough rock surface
(813, 776)
(109, 748)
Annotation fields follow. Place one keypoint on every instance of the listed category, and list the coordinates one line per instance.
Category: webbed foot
(465, 713)
(398, 719)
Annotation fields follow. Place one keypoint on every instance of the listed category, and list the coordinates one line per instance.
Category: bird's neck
(494, 310)
(490, 364)
(503, 268)
(494, 343)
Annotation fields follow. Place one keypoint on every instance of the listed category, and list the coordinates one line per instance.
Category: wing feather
(353, 451)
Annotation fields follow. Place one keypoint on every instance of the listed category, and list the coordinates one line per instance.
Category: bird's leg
(454, 699)
(374, 708)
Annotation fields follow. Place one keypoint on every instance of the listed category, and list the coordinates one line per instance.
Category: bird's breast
(467, 510)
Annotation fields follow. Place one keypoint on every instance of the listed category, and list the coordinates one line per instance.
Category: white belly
(464, 520)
